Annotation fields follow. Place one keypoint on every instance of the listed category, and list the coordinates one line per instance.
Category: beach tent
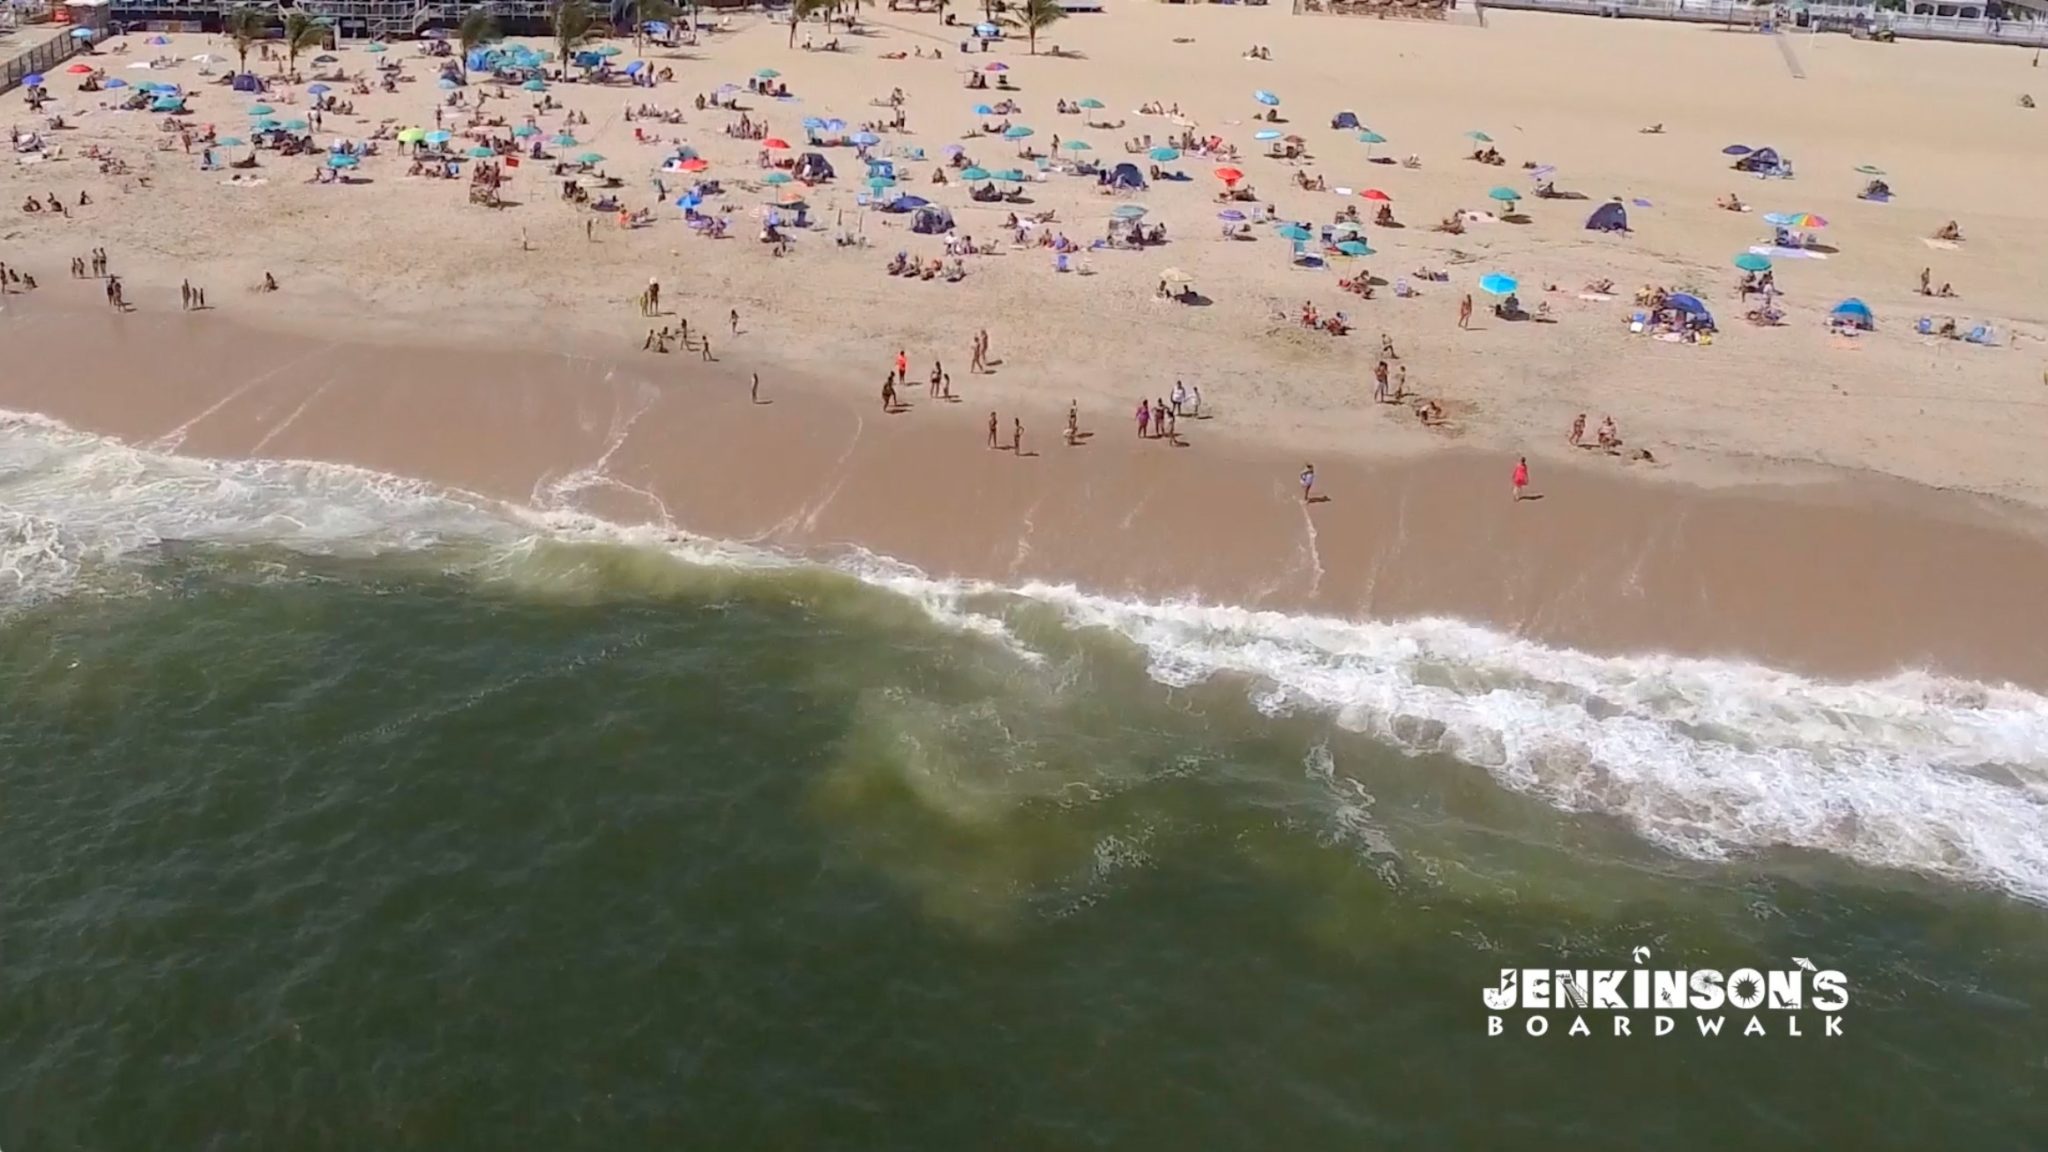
(931, 220)
(906, 203)
(813, 167)
(1345, 119)
(1761, 160)
(1124, 176)
(1694, 308)
(247, 82)
(1853, 312)
(1609, 217)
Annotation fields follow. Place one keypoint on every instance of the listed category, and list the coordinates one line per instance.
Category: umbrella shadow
(1516, 218)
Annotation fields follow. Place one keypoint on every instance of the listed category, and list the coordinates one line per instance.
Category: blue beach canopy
(342, 160)
(1164, 155)
(1266, 98)
(1497, 284)
(1853, 308)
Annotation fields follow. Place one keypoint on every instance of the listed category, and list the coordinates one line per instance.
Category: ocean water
(336, 812)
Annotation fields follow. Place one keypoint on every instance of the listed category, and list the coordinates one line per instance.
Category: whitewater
(1709, 760)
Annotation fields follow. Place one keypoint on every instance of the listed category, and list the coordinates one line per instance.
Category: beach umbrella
(168, 104)
(984, 110)
(767, 74)
(1804, 220)
(1176, 276)
(1496, 284)
(1164, 155)
(693, 164)
(438, 137)
(835, 124)
(791, 198)
(1016, 132)
(952, 150)
(1737, 150)
(85, 69)
(323, 58)
(260, 109)
(116, 82)
(447, 84)
(1091, 102)
(1078, 146)
(230, 142)
(1229, 175)
(998, 66)
(1294, 232)
(266, 124)
(526, 131)
(562, 140)
(1370, 137)
(590, 158)
(1268, 134)
(775, 144)
(158, 40)
(480, 153)
(373, 49)
(81, 33)
(1476, 134)
(1353, 248)
(35, 80)
(296, 125)
(1866, 169)
(1504, 194)
(341, 160)
(777, 178)
(865, 139)
(813, 123)
(1376, 194)
(412, 136)
(319, 90)
(1230, 214)
(1128, 212)
(1752, 262)
(987, 31)
(879, 183)
(1011, 175)
(610, 50)
(535, 85)
(974, 174)
(1266, 98)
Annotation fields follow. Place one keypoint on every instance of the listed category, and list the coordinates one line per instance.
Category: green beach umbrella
(1353, 248)
(481, 153)
(1078, 146)
(266, 125)
(1753, 262)
(412, 135)
(525, 130)
(1092, 102)
(975, 174)
(1870, 169)
(260, 109)
(1164, 155)
(1371, 137)
(590, 158)
(230, 142)
(767, 74)
(1476, 134)
(376, 48)
(609, 51)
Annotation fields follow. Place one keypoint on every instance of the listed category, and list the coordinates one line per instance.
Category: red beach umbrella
(776, 143)
(1229, 175)
(1376, 194)
(694, 165)
(79, 69)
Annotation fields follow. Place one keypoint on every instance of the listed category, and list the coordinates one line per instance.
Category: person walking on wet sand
(902, 367)
(1521, 480)
(889, 395)
(1308, 483)
(992, 430)
(735, 321)
(974, 365)
(1017, 435)
(1465, 311)
(932, 391)
(185, 295)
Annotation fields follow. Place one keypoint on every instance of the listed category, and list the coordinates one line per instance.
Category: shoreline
(1854, 579)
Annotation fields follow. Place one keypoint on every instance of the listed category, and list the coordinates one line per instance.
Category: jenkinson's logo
(1802, 1001)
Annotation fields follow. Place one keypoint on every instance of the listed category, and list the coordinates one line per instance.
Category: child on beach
(1521, 480)
(1308, 483)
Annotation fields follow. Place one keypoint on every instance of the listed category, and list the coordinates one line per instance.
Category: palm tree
(801, 10)
(1033, 15)
(301, 33)
(245, 26)
(574, 24)
(479, 27)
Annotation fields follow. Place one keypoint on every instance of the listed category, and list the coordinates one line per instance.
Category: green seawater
(610, 852)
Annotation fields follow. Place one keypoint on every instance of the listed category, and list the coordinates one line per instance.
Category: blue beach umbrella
(1503, 194)
(777, 178)
(319, 90)
(1266, 98)
(230, 142)
(167, 104)
(1016, 132)
(81, 33)
(865, 139)
(438, 137)
(525, 131)
(1128, 212)
(590, 158)
(1268, 134)
(1011, 175)
(1164, 155)
(1294, 232)
(35, 80)
(1737, 150)
(341, 160)
(983, 110)
(116, 82)
(535, 85)
(975, 174)
(1497, 284)
(480, 153)
(1353, 248)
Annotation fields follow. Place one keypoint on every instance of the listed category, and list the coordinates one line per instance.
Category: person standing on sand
(735, 321)
(1017, 435)
(889, 395)
(653, 297)
(706, 346)
(974, 363)
(1144, 418)
(991, 429)
(1465, 311)
(1308, 483)
(1379, 383)
(185, 295)
(945, 385)
(902, 367)
(931, 392)
(1073, 423)
(754, 391)
(1521, 480)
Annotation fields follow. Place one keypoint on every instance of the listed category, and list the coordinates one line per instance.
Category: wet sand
(1855, 578)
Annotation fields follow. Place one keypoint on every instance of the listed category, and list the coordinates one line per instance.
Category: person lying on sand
(1731, 203)
(1430, 413)
(1949, 231)
(1656, 129)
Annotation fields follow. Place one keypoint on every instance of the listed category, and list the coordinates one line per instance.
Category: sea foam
(1708, 759)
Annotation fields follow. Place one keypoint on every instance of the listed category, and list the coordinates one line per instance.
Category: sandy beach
(1788, 514)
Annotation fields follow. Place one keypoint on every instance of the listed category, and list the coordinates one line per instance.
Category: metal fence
(1850, 18)
(36, 58)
